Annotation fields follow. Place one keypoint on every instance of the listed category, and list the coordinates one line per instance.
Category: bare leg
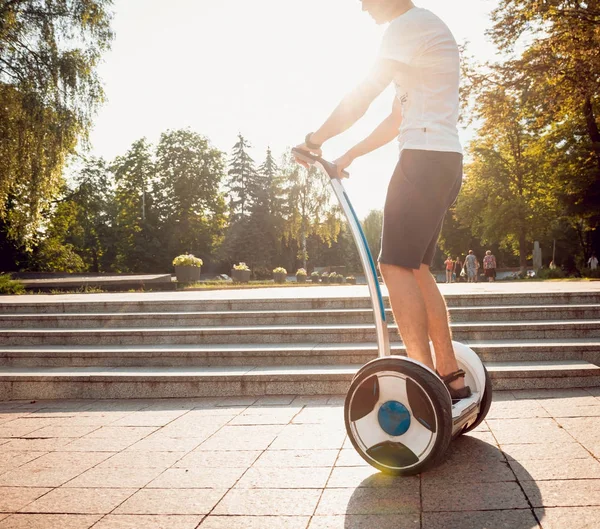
(420, 312)
(409, 311)
(439, 328)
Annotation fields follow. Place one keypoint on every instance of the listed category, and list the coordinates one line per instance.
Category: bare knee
(389, 271)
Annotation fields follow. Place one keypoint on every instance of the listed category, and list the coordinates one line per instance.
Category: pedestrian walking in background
(471, 264)
(449, 269)
(458, 265)
(593, 262)
(489, 266)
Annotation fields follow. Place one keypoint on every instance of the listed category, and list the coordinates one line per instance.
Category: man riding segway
(420, 56)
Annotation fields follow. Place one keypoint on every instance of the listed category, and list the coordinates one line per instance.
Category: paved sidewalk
(285, 463)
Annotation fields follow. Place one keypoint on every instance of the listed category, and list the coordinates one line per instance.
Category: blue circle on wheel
(394, 418)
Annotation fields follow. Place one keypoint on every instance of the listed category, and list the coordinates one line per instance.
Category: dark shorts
(423, 187)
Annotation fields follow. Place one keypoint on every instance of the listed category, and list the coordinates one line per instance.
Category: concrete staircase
(114, 348)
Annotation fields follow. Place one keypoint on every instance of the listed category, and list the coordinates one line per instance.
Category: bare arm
(357, 102)
(382, 135)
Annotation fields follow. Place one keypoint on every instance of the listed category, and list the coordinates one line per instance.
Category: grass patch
(10, 286)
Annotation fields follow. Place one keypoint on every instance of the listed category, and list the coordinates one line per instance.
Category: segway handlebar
(311, 159)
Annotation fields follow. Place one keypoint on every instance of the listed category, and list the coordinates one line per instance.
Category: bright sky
(264, 68)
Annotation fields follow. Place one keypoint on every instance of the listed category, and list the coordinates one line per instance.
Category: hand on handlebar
(303, 147)
(342, 163)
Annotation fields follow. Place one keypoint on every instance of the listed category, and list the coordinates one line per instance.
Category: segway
(398, 412)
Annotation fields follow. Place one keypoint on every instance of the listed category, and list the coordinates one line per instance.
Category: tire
(484, 406)
(396, 387)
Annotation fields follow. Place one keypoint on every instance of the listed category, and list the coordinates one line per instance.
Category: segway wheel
(484, 406)
(398, 416)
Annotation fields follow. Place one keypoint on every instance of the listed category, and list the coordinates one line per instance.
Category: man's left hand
(303, 147)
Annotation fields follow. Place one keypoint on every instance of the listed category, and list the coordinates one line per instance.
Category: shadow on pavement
(475, 488)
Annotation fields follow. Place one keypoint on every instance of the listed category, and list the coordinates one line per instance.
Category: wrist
(315, 139)
(354, 152)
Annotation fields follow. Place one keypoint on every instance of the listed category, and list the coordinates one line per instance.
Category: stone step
(137, 382)
(522, 330)
(276, 354)
(350, 298)
(284, 317)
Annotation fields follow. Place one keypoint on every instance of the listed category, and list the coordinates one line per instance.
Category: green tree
(94, 195)
(139, 248)
(504, 199)
(189, 172)
(49, 91)
(308, 207)
(372, 226)
(558, 75)
(242, 180)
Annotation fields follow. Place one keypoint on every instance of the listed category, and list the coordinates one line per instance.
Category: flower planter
(351, 281)
(187, 274)
(240, 276)
(301, 279)
(279, 277)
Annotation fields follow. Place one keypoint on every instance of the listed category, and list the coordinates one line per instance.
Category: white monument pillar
(537, 256)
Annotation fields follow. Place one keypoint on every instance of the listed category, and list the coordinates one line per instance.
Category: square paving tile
(309, 437)
(472, 496)
(285, 478)
(583, 429)
(122, 432)
(255, 522)
(268, 502)
(62, 431)
(572, 450)
(353, 477)
(231, 459)
(50, 521)
(348, 457)
(14, 459)
(569, 517)
(176, 501)
(14, 498)
(563, 493)
(520, 431)
(97, 444)
(140, 521)
(150, 418)
(265, 418)
(153, 443)
(242, 438)
(553, 469)
(516, 410)
(127, 459)
(36, 445)
(296, 458)
(369, 500)
(508, 519)
(320, 416)
(79, 501)
(369, 521)
(126, 477)
(197, 478)
(465, 471)
(39, 477)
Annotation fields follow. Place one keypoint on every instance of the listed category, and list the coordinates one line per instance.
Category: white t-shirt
(427, 80)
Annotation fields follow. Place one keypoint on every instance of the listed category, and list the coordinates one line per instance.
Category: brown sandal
(456, 394)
